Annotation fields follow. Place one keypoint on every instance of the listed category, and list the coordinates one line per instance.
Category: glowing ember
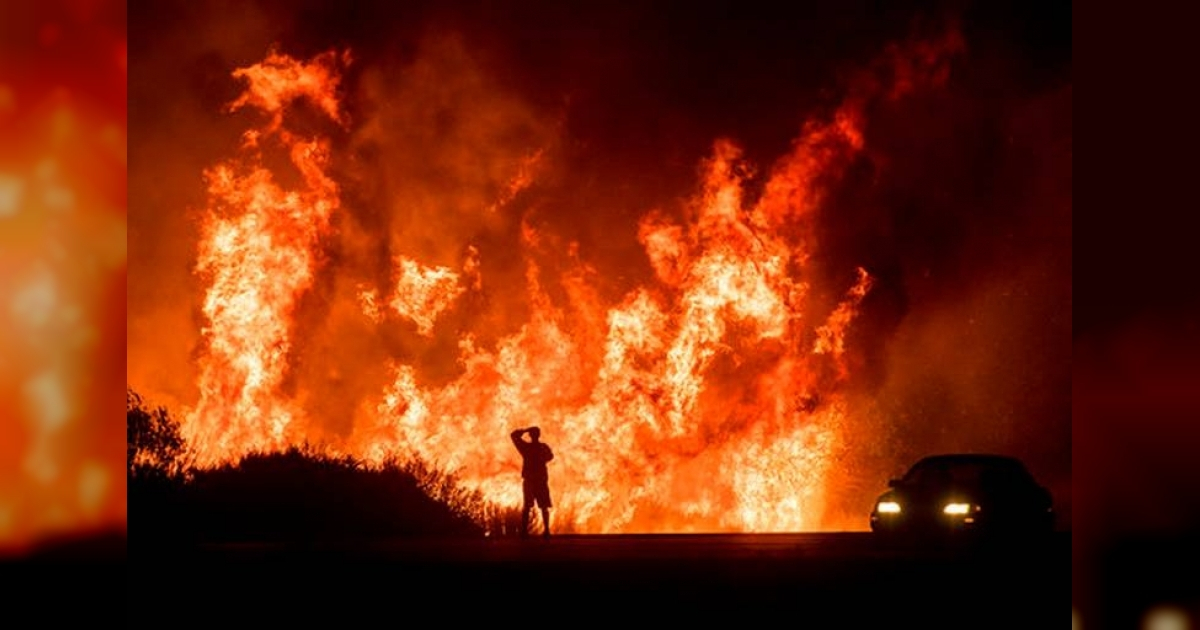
(708, 400)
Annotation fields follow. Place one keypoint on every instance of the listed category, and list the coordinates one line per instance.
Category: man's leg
(527, 500)
(546, 522)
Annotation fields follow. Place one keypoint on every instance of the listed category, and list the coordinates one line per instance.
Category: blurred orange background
(62, 271)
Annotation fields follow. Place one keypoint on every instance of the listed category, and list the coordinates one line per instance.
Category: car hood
(923, 495)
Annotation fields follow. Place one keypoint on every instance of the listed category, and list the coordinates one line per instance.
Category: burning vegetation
(417, 310)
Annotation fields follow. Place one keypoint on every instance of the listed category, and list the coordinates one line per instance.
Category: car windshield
(964, 473)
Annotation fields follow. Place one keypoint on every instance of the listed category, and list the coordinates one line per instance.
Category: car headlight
(957, 508)
(888, 507)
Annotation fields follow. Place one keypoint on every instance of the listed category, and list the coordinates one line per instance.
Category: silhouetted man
(535, 478)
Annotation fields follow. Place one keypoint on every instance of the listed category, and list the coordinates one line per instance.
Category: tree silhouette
(155, 447)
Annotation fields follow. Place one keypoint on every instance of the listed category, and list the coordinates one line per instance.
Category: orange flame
(831, 336)
(422, 293)
(522, 180)
(258, 251)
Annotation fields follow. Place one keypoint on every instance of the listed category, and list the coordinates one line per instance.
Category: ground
(579, 580)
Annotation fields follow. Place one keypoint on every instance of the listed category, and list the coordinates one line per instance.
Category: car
(964, 496)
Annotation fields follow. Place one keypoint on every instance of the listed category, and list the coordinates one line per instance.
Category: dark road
(784, 549)
(848, 577)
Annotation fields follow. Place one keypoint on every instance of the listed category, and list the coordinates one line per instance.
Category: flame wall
(414, 238)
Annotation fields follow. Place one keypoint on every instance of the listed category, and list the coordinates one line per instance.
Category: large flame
(709, 399)
(259, 250)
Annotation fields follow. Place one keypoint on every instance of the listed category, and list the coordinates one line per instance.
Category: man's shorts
(537, 493)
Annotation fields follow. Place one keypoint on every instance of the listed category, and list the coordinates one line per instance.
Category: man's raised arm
(516, 437)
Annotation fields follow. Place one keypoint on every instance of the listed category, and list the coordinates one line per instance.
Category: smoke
(963, 211)
(182, 57)
(434, 173)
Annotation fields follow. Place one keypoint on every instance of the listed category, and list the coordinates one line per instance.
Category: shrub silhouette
(296, 495)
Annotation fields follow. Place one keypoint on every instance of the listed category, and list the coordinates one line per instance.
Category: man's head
(535, 433)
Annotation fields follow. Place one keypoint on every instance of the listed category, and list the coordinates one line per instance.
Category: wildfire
(707, 400)
(258, 250)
